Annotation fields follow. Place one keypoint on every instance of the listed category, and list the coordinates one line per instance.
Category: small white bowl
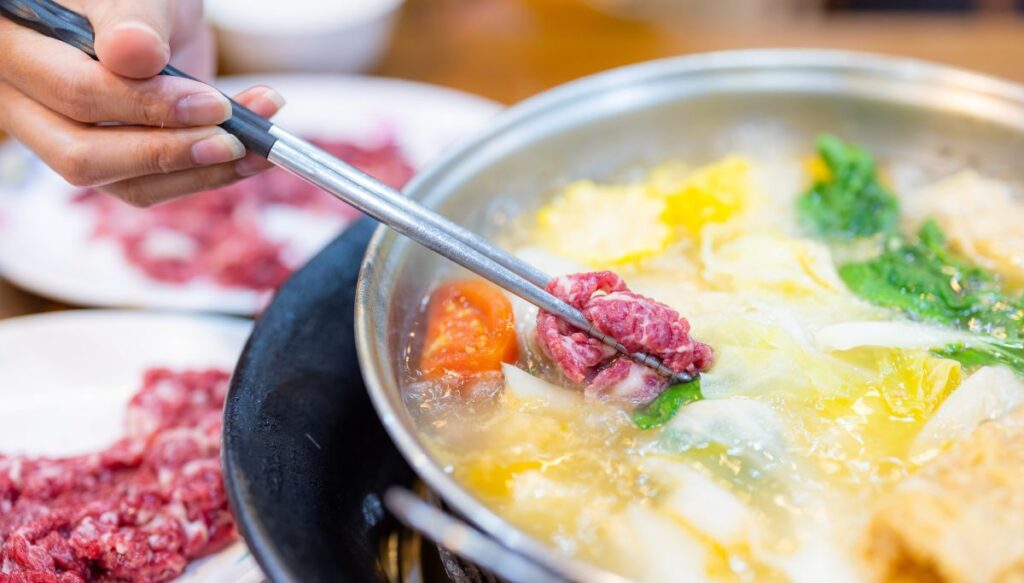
(334, 36)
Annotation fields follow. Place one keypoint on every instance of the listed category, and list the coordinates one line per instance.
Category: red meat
(138, 511)
(626, 381)
(217, 235)
(639, 323)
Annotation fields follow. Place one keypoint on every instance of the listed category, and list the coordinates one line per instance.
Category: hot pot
(696, 108)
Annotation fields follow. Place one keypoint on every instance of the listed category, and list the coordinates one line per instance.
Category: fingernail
(274, 97)
(209, 108)
(249, 166)
(217, 150)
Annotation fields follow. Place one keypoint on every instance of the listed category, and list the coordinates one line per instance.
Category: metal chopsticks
(440, 235)
(352, 186)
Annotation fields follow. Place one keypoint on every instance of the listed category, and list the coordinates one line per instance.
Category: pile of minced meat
(138, 511)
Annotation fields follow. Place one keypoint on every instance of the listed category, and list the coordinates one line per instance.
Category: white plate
(45, 243)
(66, 377)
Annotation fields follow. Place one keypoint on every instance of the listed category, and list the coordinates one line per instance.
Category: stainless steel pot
(695, 108)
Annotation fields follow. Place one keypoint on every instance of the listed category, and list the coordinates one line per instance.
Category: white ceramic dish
(66, 377)
(337, 36)
(46, 244)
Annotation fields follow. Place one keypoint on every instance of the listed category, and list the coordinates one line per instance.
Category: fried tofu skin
(961, 518)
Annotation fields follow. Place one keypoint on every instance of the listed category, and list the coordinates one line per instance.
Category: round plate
(66, 378)
(46, 244)
(306, 461)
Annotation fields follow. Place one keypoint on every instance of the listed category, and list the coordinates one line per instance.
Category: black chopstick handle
(53, 20)
(256, 140)
(42, 20)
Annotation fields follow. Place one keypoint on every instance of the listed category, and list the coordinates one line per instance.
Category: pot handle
(464, 540)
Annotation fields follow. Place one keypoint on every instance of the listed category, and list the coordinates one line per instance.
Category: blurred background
(510, 49)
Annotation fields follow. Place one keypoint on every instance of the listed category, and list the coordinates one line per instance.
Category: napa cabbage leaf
(990, 393)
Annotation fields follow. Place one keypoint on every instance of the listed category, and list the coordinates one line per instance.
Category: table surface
(508, 50)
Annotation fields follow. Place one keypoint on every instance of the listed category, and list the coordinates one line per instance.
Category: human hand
(116, 124)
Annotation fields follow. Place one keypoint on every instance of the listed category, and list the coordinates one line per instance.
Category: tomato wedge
(470, 329)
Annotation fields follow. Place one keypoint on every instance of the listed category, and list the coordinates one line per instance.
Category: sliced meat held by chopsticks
(637, 322)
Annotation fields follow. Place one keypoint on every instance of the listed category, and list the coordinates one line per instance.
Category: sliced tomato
(470, 329)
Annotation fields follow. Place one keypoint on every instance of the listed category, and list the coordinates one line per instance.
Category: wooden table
(510, 49)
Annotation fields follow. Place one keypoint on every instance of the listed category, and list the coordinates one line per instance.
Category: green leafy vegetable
(666, 405)
(922, 278)
(851, 202)
(927, 281)
(985, 352)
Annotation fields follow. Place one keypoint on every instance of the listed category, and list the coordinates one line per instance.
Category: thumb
(132, 36)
